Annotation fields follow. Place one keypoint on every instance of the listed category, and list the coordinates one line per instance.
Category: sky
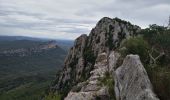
(68, 19)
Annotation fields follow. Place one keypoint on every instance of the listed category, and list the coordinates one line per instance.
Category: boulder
(132, 81)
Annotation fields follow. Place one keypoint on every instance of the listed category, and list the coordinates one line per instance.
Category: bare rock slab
(132, 81)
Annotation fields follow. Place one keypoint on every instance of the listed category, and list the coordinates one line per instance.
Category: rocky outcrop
(113, 60)
(92, 88)
(89, 70)
(74, 65)
(81, 58)
(108, 33)
(132, 82)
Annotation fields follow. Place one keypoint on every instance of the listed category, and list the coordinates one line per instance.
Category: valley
(27, 67)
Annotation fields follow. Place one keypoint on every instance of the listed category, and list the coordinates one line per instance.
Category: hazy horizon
(43, 38)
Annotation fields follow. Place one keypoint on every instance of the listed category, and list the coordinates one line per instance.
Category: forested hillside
(27, 67)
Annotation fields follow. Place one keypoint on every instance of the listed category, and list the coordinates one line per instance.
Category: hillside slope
(27, 68)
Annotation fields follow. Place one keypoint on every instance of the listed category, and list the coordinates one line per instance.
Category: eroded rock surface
(80, 60)
(86, 63)
(92, 87)
(132, 82)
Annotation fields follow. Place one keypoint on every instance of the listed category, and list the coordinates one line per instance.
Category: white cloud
(69, 18)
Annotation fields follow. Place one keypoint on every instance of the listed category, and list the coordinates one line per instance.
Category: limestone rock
(74, 64)
(81, 64)
(108, 33)
(113, 58)
(92, 89)
(132, 82)
(80, 96)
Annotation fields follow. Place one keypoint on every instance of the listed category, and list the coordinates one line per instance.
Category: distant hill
(27, 66)
(13, 38)
(65, 44)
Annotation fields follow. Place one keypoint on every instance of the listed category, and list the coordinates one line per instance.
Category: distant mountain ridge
(63, 43)
(13, 38)
(27, 51)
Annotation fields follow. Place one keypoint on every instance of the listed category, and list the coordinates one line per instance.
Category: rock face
(92, 88)
(93, 57)
(81, 58)
(132, 82)
(74, 65)
(108, 33)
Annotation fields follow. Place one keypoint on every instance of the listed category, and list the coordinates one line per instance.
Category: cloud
(67, 19)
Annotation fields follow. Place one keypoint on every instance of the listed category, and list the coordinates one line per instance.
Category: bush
(162, 39)
(135, 45)
(108, 81)
(53, 97)
(159, 38)
(160, 79)
(89, 56)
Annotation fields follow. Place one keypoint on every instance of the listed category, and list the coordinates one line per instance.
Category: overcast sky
(67, 19)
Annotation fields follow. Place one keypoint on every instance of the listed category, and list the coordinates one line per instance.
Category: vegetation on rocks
(108, 81)
(136, 45)
(89, 56)
(158, 37)
(151, 44)
(153, 47)
(53, 97)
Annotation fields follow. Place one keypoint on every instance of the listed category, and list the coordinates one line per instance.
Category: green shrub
(108, 81)
(162, 39)
(53, 97)
(122, 21)
(89, 56)
(160, 79)
(110, 42)
(159, 38)
(135, 45)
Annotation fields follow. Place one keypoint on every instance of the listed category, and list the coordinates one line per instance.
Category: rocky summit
(95, 69)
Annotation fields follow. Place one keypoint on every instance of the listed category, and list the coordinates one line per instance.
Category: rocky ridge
(92, 63)
(91, 88)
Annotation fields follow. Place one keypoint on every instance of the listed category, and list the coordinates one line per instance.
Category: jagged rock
(107, 35)
(102, 94)
(92, 90)
(80, 96)
(132, 82)
(113, 58)
(74, 64)
(82, 70)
